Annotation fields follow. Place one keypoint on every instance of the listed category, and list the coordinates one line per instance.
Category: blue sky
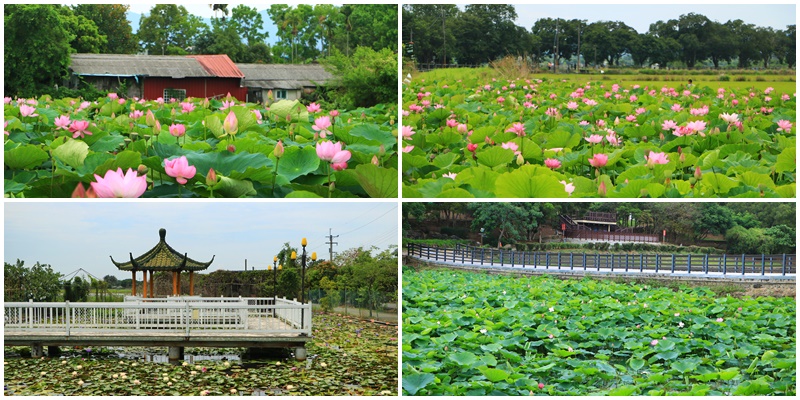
(72, 235)
(640, 16)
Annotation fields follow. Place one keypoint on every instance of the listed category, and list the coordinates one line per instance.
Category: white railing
(246, 315)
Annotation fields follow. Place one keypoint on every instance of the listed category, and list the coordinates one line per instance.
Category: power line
(393, 208)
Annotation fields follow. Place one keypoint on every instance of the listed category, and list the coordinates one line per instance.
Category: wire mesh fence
(359, 303)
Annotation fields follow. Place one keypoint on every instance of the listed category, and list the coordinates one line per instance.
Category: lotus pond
(346, 357)
(477, 334)
(489, 137)
(197, 148)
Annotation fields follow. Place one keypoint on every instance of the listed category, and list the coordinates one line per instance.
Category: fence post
(67, 316)
(501, 258)
(559, 261)
(571, 264)
(462, 256)
(547, 261)
(535, 260)
(658, 261)
(524, 256)
(472, 256)
(783, 265)
(705, 263)
(763, 266)
(673, 264)
(725, 264)
(612, 262)
(187, 314)
(437, 253)
(743, 264)
(626, 262)
(641, 262)
(597, 261)
(512, 259)
(491, 256)
(689, 263)
(455, 250)
(481, 255)
(584, 261)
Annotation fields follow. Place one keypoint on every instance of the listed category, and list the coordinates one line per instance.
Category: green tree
(783, 239)
(77, 290)
(112, 280)
(33, 63)
(289, 283)
(741, 240)
(222, 38)
(366, 78)
(508, 219)
(37, 283)
(374, 26)
(431, 28)
(713, 218)
(83, 33)
(112, 22)
(248, 22)
(169, 29)
(787, 45)
(257, 53)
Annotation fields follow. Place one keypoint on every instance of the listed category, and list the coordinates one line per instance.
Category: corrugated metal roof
(284, 76)
(142, 65)
(219, 65)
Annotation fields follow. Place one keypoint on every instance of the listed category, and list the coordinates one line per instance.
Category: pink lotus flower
(451, 123)
(696, 126)
(510, 146)
(785, 97)
(517, 128)
(313, 108)
(451, 175)
(79, 129)
(115, 184)
(231, 124)
(601, 123)
(552, 163)
(654, 342)
(333, 153)
(407, 131)
(226, 104)
(62, 122)
(462, 128)
(187, 107)
(613, 139)
(572, 105)
(594, 139)
(177, 130)
(321, 125)
(7, 100)
(408, 149)
(259, 117)
(630, 118)
(568, 187)
(541, 386)
(720, 319)
(729, 118)
(135, 114)
(599, 160)
(415, 108)
(784, 125)
(656, 158)
(113, 96)
(676, 107)
(180, 169)
(501, 100)
(334, 113)
(472, 147)
(27, 111)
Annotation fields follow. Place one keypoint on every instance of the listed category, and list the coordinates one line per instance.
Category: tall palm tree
(348, 26)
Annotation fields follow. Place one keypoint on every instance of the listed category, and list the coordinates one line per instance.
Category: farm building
(150, 77)
(286, 81)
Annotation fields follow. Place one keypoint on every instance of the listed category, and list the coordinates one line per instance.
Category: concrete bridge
(174, 322)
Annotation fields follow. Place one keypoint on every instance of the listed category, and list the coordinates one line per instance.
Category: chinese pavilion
(162, 257)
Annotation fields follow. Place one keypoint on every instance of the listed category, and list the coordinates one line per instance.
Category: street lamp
(303, 257)
(275, 267)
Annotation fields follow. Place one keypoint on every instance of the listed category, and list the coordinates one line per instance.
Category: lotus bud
(680, 151)
(332, 186)
(349, 120)
(269, 94)
(142, 170)
(667, 182)
(149, 118)
(375, 161)
(643, 193)
(278, 152)
(231, 148)
(381, 150)
(391, 121)
(173, 113)
(520, 160)
(601, 190)
(472, 147)
(682, 158)
(644, 139)
(697, 173)
(231, 124)
(211, 177)
(157, 128)
(661, 136)
(616, 121)
(363, 115)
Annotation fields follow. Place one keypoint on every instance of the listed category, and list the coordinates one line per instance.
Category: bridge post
(53, 351)
(300, 353)
(175, 353)
(37, 351)
(763, 266)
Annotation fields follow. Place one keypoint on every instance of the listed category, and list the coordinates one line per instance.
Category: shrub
(724, 78)
(741, 79)
(365, 79)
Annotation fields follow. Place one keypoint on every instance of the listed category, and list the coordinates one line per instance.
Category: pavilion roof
(162, 257)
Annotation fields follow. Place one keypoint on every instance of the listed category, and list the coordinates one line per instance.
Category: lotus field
(346, 357)
(115, 147)
(550, 138)
(477, 334)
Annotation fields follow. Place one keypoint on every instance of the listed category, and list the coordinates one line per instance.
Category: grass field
(781, 83)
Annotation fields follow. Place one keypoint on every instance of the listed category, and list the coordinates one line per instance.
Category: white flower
(233, 390)
(62, 363)
(115, 376)
(552, 309)
(289, 387)
(43, 373)
(204, 393)
(80, 383)
(278, 363)
(136, 382)
(680, 324)
(569, 349)
(483, 331)
(185, 364)
(193, 373)
(323, 365)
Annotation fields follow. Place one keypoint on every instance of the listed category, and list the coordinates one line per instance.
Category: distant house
(286, 81)
(150, 77)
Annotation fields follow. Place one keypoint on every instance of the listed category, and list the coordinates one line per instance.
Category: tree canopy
(484, 33)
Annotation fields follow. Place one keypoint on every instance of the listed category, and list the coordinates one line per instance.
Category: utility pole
(330, 243)
(555, 53)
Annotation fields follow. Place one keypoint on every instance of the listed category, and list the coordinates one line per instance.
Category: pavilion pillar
(174, 283)
(179, 283)
(152, 292)
(133, 283)
(144, 284)
(191, 283)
